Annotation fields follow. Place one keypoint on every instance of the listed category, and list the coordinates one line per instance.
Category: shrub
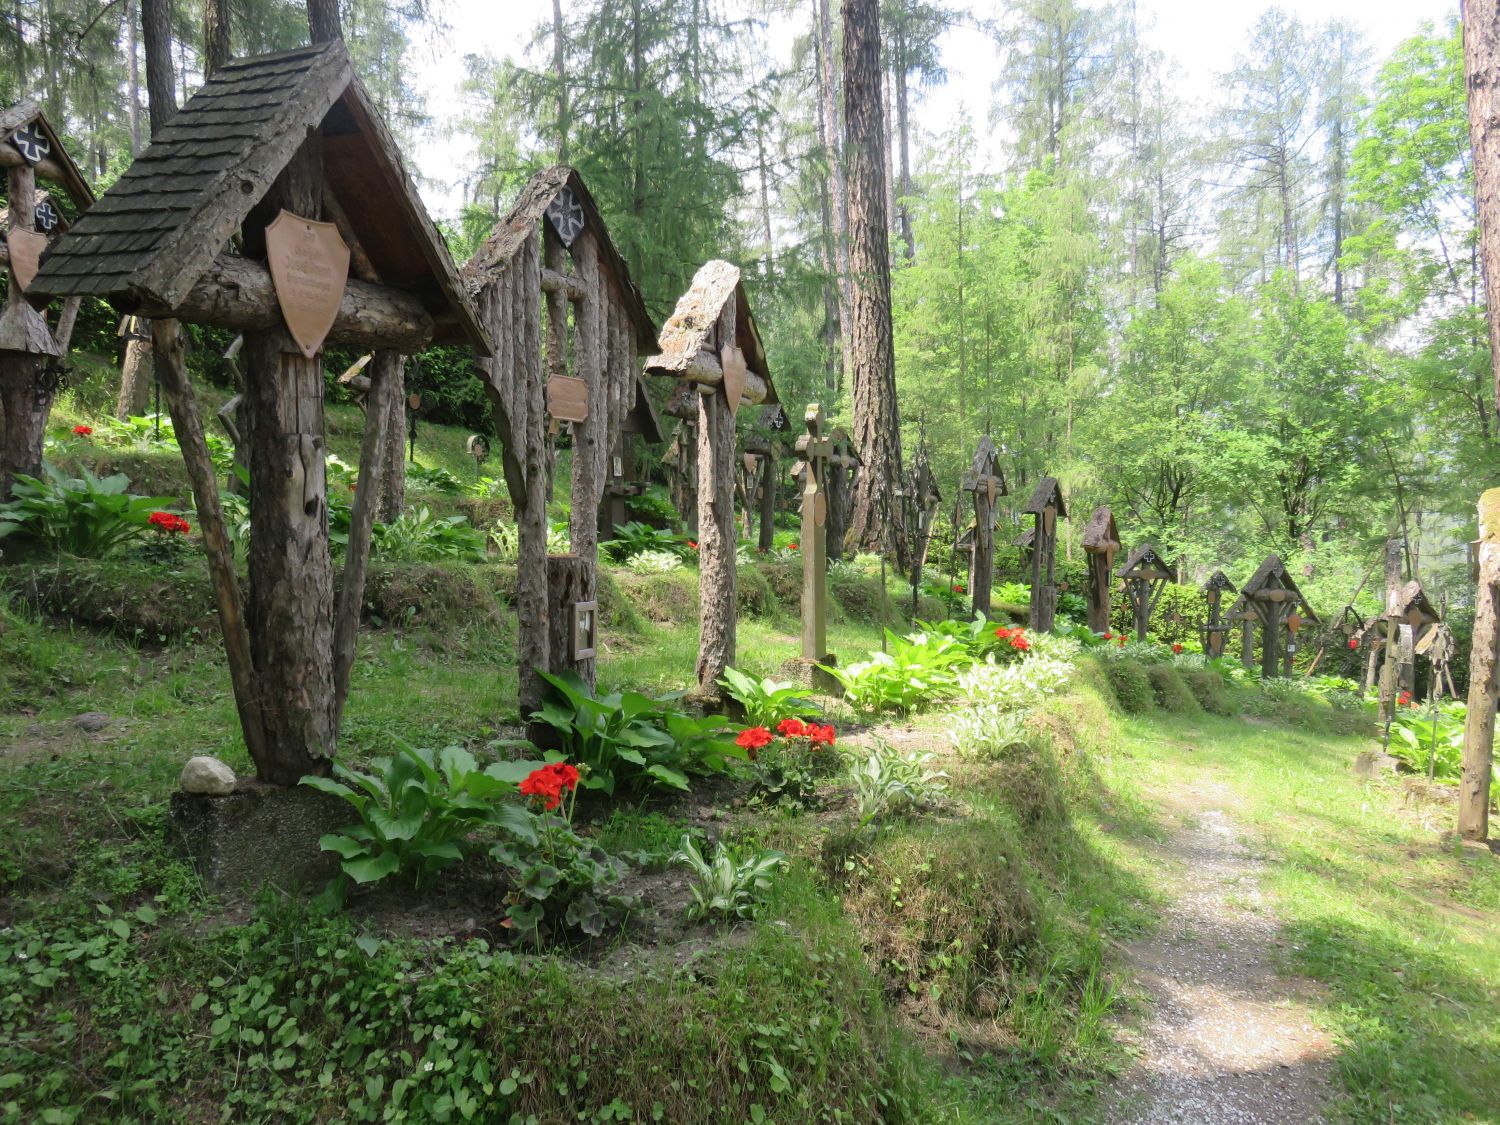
(788, 765)
(767, 701)
(1131, 686)
(638, 538)
(1170, 691)
(753, 594)
(434, 479)
(83, 516)
(653, 562)
(1208, 689)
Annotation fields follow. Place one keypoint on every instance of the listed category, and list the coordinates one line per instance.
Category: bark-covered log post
(271, 141)
(985, 481)
(1145, 574)
(1484, 678)
(682, 455)
(843, 466)
(137, 371)
(1047, 505)
(923, 499)
(1408, 613)
(31, 354)
(550, 254)
(1272, 598)
(1216, 627)
(1100, 542)
(711, 340)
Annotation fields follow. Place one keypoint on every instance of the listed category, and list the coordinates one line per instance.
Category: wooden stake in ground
(1481, 36)
(255, 137)
(1046, 504)
(985, 481)
(1145, 574)
(1484, 679)
(711, 340)
(1100, 542)
(814, 450)
(1216, 628)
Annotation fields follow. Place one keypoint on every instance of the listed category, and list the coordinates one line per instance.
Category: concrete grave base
(258, 834)
(807, 672)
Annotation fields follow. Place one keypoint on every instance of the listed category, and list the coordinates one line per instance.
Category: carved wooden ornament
(25, 255)
(309, 265)
(568, 398)
(733, 362)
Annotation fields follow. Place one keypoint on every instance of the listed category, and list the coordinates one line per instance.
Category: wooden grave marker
(814, 451)
(1046, 504)
(1145, 574)
(551, 253)
(711, 340)
(1101, 541)
(985, 481)
(1272, 599)
(1216, 628)
(31, 352)
(1408, 614)
(296, 132)
(843, 465)
(922, 497)
(639, 424)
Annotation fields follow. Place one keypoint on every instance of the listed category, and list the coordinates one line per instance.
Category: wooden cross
(814, 449)
(985, 483)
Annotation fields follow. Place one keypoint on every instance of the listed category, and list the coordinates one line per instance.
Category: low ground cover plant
(86, 516)
(637, 538)
(913, 671)
(788, 763)
(889, 783)
(654, 562)
(732, 884)
(1429, 742)
(767, 701)
(420, 536)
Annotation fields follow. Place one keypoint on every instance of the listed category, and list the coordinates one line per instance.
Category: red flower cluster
(753, 739)
(1353, 644)
(693, 543)
(1109, 636)
(1017, 637)
(1405, 700)
(816, 733)
(960, 589)
(169, 524)
(795, 547)
(83, 431)
(548, 782)
(1176, 650)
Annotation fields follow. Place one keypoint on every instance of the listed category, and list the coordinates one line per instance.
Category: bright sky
(1200, 37)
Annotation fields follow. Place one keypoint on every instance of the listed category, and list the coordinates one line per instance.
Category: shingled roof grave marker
(639, 425)
(549, 254)
(1047, 505)
(814, 450)
(1145, 574)
(1408, 614)
(843, 465)
(292, 132)
(711, 340)
(1271, 598)
(1216, 628)
(985, 482)
(1100, 542)
(31, 353)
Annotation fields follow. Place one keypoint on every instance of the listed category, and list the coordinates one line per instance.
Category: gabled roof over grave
(1273, 575)
(1409, 598)
(25, 113)
(642, 418)
(1047, 494)
(686, 331)
(560, 185)
(1218, 580)
(1100, 536)
(156, 232)
(986, 463)
(1144, 562)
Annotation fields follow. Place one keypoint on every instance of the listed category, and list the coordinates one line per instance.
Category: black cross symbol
(566, 214)
(31, 142)
(46, 216)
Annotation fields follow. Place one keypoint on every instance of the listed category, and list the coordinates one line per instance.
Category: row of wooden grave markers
(31, 352)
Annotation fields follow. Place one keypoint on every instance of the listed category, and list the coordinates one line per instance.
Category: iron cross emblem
(31, 143)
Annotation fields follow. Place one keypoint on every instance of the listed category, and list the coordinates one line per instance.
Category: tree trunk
(216, 48)
(23, 404)
(1481, 35)
(903, 139)
(716, 539)
(1484, 679)
(323, 20)
(877, 517)
(133, 74)
(559, 75)
(570, 580)
(392, 453)
(156, 30)
(1099, 594)
(828, 97)
(136, 375)
(982, 570)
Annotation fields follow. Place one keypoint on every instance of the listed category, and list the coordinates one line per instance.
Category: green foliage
(767, 701)
(1429, 743)
(1207, 687)
(638, 538)
(433, 479)
(1131, 685)
(419, 536)
(914, 670)
(652, 506)
(889, 783)
(653, 562)
(629, 740)
(416, 808)
(1169, 690)
(729, 885)
(562, 882)
(83, 516)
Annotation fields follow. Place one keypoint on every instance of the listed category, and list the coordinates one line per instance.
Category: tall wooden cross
(814, 449)
(1046, 504)
(1145, 574)
(1215, 630)
(841, 469)
(985, 481)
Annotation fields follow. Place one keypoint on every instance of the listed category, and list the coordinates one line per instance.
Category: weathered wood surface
(716, 539)
(187, 424)
(385, 385)
(1484, 679)
(1048, 506)
(24, 339)
(1390, 667)
(136, 375)
(1481, 45)
(1100, 542)
(57, 167)
(986, 483)
(814, 448)
(570, 579)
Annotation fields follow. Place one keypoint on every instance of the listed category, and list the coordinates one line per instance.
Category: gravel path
(1228, 1041)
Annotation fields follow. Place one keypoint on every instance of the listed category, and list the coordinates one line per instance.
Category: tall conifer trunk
(1481, 20)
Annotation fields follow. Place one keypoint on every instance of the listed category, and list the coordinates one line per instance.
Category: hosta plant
(422, 537)
(987, 731)
(85, 516)
(636, 538)
(887, 782)
(416, 808)
(767, 701)
(653, 562)
(1428, 743)
(913, 671)
(729, 885)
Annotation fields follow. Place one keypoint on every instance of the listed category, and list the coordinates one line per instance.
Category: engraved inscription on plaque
(309, 265)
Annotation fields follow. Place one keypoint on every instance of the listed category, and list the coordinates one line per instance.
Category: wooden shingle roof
(156, 232)
(1146, 560)
(697, 311)
(1100, 535)
(642, 418)
(496, 252)
(1273, 575)
(1048, 493)
(1412, 598)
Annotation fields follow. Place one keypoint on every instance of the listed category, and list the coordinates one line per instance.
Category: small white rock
(203, 774)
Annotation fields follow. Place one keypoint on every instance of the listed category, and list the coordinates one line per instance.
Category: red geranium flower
(1353, 644)
(794, 547)
(960, 589)
(792, 728)
(753, 738)
(547, 783)
(1020, 643)
(693, 543)
(1404, 698)
(1109, 636)
(83, 431)
(1176, 649)
(1123, 639)
(1003, 633)
(168, 524)
(820, 734)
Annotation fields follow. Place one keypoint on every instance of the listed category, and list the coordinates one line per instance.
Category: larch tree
(1481, 39)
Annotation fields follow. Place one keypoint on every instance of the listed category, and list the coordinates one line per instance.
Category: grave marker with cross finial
(814, 449)
(986, 482)
(1145, 573)
(1047, 505)
(1216, 628)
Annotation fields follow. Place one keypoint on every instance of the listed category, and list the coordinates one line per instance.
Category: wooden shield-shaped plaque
(733, 362)
(309, 268)
(25, 255)
(568, 398)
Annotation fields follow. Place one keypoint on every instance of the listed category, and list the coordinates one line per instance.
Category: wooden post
(814, 448)
(1270, 637)
(570, 599)
(985, 483)
(1247, 642)
(768, 499)
(24, 403)
(841, 468)
(1046, 504)
(716, 539)
(1484, 679)
(1214, 638)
